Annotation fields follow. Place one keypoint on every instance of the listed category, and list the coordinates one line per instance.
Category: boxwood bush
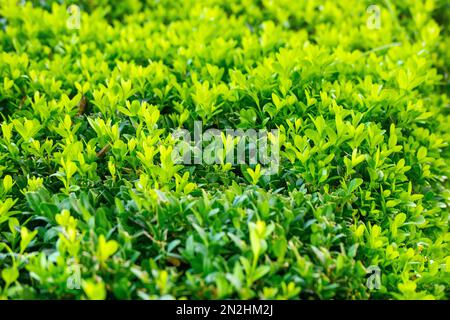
(92, 206)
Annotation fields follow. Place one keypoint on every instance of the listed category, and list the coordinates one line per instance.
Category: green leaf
(26, 237)
(105, 249)
(94, 290)
(10, 275)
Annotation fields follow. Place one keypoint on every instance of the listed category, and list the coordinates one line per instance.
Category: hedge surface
(90, 196)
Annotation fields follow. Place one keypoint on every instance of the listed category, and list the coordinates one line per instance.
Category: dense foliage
(87, 186)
